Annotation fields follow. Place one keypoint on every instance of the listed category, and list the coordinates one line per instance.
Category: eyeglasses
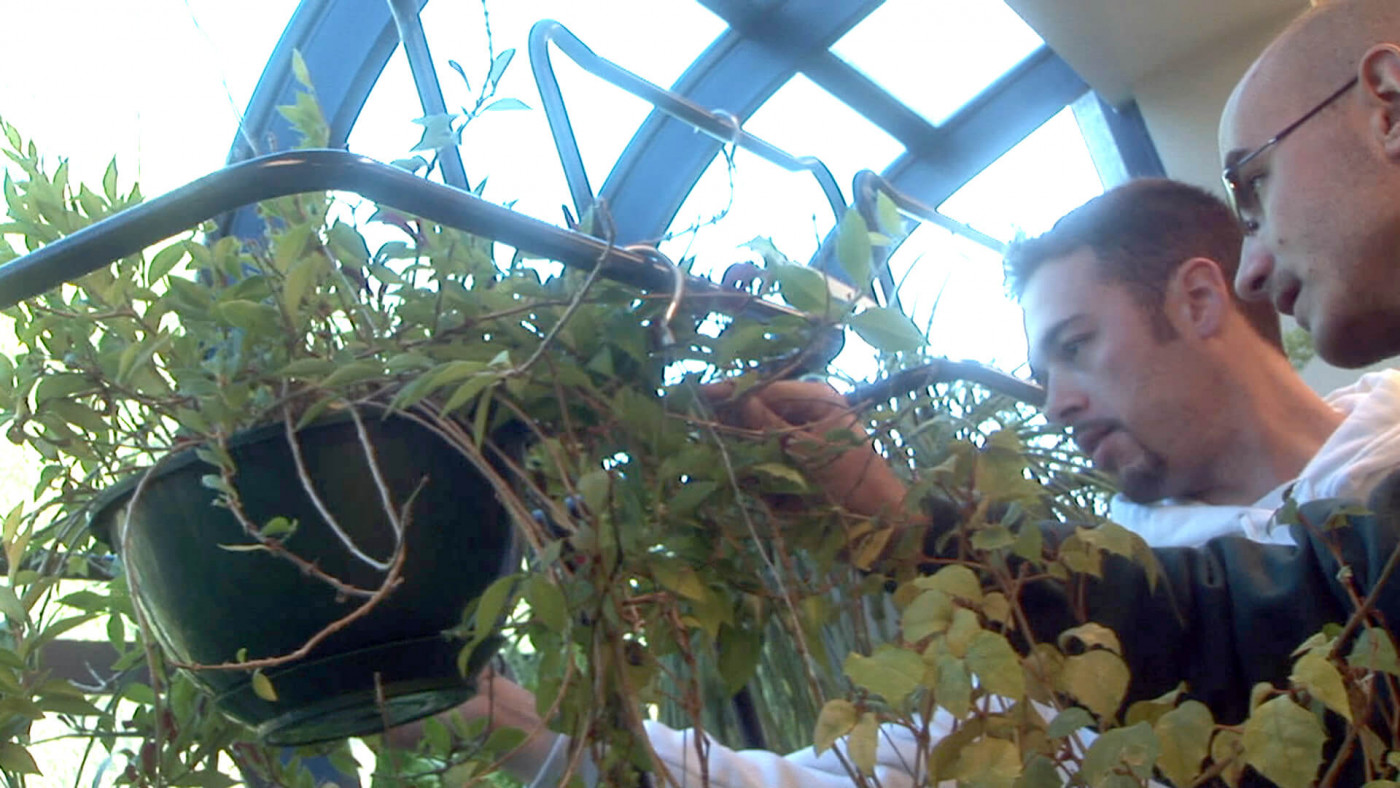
(1240, 185)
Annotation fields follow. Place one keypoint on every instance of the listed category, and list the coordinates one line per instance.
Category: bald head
(1310, 140)
(1325, 44)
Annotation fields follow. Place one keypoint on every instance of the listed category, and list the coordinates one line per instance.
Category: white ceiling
(1115, 43)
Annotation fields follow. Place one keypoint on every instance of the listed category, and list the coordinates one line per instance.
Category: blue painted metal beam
(765, 45)
(345, 44)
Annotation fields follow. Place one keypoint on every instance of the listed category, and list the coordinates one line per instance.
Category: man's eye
(1070, 349)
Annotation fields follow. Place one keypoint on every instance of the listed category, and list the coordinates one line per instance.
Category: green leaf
(251, 317)
(680, 579)
(952, 687)
(1135, 747)
(109, 178)
(988, 762)
(499, 64)
(491, 605)
(1316, 674)
(1040, 772)
(505, 104)
(863, 743)
(469, 391)
(803, 287)
(348, 246)
(594, 487)
(279, 528)
(887, 216)
(352, 373)
(739, 652)
(15, 758)
(892, 673)
(991, 658)
(1098, 679)
(1184, 733)
(853, 248)
(165, 261)
(836, 719)
(1374, 650)
(993, 537)
(302, 275)
(262, 687)
(11, 606)
(1283, 742)
(547, 602)
(299, 69)
(1069, 721)
(887, 330)
(307, 368)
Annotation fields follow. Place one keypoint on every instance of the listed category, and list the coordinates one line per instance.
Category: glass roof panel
(936, 55)
(768, 201)
(657, 39)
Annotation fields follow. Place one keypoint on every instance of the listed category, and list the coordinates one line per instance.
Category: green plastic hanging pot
(208, 604)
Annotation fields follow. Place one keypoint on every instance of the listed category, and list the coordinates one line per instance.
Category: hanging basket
(209, 604)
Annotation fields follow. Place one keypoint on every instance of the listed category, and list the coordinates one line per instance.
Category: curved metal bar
(868, 184)
(420, 65)
(720, 125)
(945, 371)
(295, 172)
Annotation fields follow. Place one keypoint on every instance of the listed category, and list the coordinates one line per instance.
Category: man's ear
(1380, 81)
(1199, 297)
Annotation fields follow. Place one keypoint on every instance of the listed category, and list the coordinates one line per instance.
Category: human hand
(820, 431)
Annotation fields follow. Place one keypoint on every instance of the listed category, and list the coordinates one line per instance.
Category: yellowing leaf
(1316, 674)
(15, 758)
(1091, 635)
(965, 626)
(892, 673)
(853, 247)
(988, 762)
(956, 581)
(1374, 650)
(1283, 741)
(996, 664)
(1184, 734)
(836, 719)
(930, 613)
(863, 742)
(262, 687)
(785, 472)
(1135, 748)
(1098, 679)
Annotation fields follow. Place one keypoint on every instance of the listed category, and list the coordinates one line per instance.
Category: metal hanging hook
(678, 279)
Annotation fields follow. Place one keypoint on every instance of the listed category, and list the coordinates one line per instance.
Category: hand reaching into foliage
(820, 431)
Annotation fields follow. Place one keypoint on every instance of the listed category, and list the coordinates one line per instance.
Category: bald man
(1310, 143)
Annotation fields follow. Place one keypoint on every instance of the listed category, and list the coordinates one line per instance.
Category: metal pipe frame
(296, 172)
(720, 125)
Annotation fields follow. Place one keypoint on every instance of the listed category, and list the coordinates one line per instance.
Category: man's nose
(1256, 266)
(1063, 400)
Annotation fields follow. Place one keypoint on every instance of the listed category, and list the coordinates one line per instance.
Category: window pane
(936, 55)
(513, 150)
